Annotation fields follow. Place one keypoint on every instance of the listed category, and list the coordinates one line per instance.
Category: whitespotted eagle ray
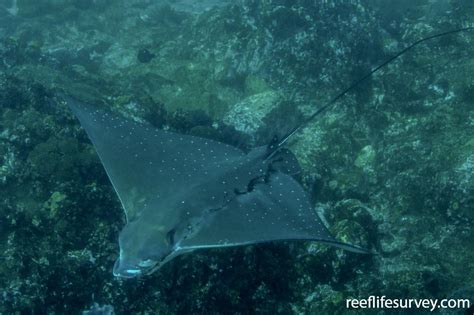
(181, 193)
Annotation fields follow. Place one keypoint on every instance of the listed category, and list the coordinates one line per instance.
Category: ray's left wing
(149, 168)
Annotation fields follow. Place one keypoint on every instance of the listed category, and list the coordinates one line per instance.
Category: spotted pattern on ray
(181, 193)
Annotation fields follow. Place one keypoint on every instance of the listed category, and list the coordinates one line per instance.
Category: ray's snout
(124, 270)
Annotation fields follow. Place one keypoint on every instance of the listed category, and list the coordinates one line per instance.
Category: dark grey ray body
(182, 193)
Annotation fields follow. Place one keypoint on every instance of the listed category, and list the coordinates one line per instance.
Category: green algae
(255, 85)
(55, 202)
(366, 158)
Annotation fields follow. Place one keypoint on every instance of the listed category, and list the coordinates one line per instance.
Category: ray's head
(144, 248)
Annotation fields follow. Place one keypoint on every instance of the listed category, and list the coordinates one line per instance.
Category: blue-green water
(390, 167)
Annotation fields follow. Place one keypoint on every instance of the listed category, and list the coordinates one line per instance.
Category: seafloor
(390, 167)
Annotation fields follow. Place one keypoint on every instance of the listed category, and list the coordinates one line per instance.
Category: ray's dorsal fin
(275, 147)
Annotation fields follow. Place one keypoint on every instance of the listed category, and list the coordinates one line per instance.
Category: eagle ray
(182, 192)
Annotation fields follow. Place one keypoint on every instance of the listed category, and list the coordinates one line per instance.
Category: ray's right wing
(278, 210)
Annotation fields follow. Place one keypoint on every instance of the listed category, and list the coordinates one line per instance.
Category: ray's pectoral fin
(276, 210)
(147, 166)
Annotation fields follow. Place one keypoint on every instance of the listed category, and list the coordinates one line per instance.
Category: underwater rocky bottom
(390, 168)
